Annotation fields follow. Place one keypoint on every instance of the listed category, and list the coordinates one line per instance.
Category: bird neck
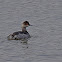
(24, 29)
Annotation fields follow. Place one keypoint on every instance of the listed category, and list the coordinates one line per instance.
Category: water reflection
(22, 43)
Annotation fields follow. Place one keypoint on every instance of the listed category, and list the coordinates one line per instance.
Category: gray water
(45, 44)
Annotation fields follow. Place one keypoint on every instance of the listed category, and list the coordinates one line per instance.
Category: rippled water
(45, 44)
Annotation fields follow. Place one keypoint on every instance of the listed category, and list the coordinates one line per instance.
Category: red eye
(26, 24)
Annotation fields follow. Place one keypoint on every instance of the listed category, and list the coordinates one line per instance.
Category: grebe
(20, 34)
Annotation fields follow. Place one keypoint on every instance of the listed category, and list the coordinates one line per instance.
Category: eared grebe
(20, 34)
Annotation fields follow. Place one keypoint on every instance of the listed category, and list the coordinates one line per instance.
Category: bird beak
(30, 25)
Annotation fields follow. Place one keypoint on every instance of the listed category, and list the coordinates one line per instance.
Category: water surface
(45, 45)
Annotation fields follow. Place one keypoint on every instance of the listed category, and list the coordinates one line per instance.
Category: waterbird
(23, 34)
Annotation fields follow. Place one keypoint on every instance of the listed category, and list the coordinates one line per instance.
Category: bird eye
(26, 24)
